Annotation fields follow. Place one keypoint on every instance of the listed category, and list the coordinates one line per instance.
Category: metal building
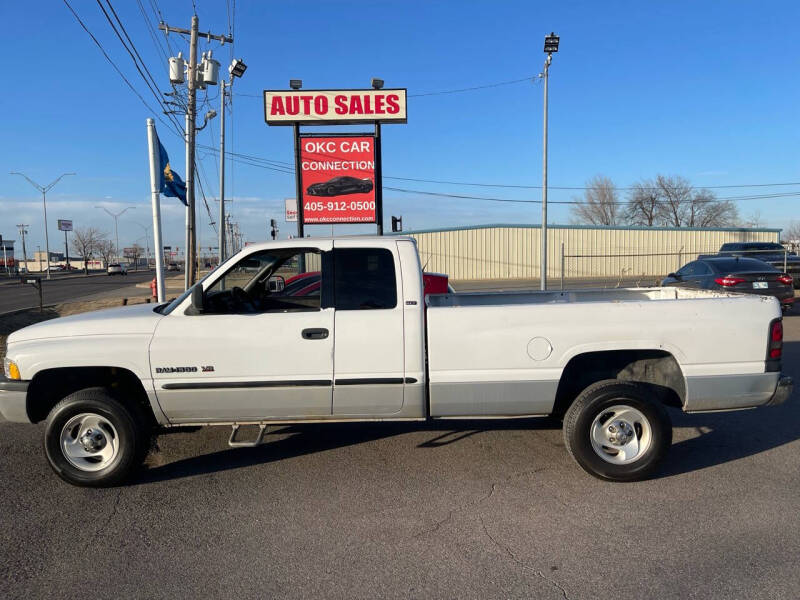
(512, 251)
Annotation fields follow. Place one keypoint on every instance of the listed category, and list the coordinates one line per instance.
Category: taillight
(775, 349)
(785, 279)
(728, 281)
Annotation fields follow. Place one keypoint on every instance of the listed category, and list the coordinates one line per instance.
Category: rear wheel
(614, 430)
(92, 439)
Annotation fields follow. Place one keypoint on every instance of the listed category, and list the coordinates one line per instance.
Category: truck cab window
(364, 279)
(275, 280)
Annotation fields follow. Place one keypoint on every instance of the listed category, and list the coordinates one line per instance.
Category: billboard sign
(329, 107)
(337, 179)
(64, 225)
(291, 210)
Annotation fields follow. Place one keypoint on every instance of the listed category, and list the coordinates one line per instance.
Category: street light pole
(116, 231)
(146, 243)
(44, 189)
(22, 231)
(550, 46)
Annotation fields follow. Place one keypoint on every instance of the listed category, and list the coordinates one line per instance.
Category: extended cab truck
(368, 345)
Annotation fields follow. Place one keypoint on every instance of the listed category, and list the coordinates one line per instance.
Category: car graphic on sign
(339, 186)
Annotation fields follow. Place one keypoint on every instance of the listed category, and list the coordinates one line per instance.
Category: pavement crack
(510, 554)
(438, 525)
(107, 521)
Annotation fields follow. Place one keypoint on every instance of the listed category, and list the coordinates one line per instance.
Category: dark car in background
(734, 274)
(771, 253)
(339, 186)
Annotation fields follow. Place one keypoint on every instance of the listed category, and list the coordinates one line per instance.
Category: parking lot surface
(475, 509)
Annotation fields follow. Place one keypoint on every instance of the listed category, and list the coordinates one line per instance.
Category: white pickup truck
(312, 330)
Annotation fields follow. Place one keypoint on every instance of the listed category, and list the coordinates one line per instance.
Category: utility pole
(22, 231)
(44, 189)
(191, 131)
(550, 46)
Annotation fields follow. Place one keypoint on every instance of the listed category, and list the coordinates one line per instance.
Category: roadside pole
(543, 259)
(188, 125)
(221, 215)
(156, 203)
(22, 232)
(66, 249)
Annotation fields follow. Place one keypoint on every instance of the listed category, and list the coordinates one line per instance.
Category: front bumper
(782, 391)
(13, 400)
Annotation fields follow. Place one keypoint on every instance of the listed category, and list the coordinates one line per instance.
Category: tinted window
(728, 247)
(692, 269)
(364, 279)
(732, 265)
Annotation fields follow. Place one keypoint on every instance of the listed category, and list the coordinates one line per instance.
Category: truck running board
(234, 443)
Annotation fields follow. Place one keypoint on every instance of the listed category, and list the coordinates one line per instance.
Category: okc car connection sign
(338, 179)
(328, 107)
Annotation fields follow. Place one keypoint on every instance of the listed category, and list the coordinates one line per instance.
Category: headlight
(11, 369)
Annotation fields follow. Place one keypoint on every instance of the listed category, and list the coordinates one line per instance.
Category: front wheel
(615, 431)
(93, 440)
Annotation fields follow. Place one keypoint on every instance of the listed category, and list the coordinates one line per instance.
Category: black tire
(590, 404)
(132, 437)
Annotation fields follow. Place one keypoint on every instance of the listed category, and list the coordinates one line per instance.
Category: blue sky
(707, 90)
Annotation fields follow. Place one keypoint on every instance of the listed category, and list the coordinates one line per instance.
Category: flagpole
(155, 189)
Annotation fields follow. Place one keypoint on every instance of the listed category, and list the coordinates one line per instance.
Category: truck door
(368, 359)
(262, 348)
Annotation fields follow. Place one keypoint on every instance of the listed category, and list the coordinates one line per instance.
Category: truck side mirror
(198, 298)
(276, 283)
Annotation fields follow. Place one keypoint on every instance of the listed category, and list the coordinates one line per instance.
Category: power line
(136, 64)
(520, 201)
(116, 68)
(473, 88)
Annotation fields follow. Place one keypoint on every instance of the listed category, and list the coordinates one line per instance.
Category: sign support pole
(156, 202)
(298, 178)
(66, 249)
(378, 179)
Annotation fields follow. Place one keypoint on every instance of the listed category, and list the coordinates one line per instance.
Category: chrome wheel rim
(89, 442)
(620, 434)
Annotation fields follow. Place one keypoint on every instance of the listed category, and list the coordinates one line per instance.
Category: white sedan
(117, 269)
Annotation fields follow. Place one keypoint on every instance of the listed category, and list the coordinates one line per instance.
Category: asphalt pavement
(479, 509)
(69, 288)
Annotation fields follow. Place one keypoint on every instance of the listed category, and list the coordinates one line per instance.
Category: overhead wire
(117, 69)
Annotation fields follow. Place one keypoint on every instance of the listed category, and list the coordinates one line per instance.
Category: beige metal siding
(505, 252)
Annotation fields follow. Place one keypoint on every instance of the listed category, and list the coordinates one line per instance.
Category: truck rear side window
(364, 279)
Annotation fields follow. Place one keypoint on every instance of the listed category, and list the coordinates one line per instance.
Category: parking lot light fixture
(551, 43)
(237, 67)
(376, 83)
(295, 84)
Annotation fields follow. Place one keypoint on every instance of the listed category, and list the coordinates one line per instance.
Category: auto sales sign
(337, 179)
(329, 107)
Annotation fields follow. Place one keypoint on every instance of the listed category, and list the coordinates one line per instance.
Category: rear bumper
(731, 392)
(782, 391)
(13, 400)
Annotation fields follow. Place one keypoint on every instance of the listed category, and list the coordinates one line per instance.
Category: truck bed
(503, 354)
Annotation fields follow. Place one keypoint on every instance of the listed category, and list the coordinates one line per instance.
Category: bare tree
(675, 196)
(86, 244)
(106, 250)
(792, 234)
(706, 211)
(134, 253)
(644, 204)
(600, 203)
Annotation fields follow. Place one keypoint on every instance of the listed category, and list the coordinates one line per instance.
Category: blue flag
(170, 182)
